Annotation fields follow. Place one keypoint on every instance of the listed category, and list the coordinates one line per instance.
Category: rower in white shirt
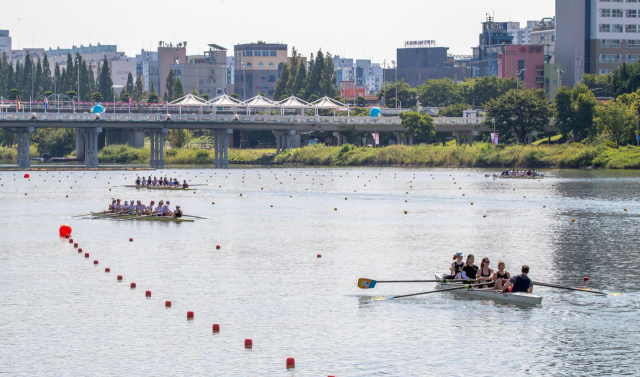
(117, 207)
(141, 208)
(165, 211)
(158, 209)
(150, 208)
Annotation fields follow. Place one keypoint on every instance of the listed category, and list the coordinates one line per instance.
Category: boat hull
(492, 294)
(110, 215)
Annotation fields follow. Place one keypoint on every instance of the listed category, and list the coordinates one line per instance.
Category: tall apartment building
(491, 42)
(146, 61)
(168, 55)
(257, 68)
(5, 42)
(596, 36)
(207, 73)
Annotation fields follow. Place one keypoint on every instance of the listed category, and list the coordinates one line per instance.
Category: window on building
(605, 43)
(256, 53)
(618, 1)
(265, 53)
(605, 28)
(271, 65)
(615, 43)
(201, 81)
(605, 12)
(631, 58)
(632, 1)
(616, 58)
(632, 28)
(617, 13)
(260, 65)
(249, 65)
(272, 79)
(632, 13)
(604, 58)
(631, 43)
(249, 53)
(273, 53)
(617, 28)
(605, 1)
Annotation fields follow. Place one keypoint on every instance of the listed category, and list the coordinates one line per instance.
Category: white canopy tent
(189, 100)
(224, 101)
(295, 103)
(259, 102)
(328, 104)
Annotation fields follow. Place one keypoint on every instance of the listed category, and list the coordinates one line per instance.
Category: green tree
(575, 111)
(480, 90)
(14, 94)
(360, 101)
(8, 79)
(85, 80)
(153, 98)
(178, 89)
(178, 138)
(47, 80)
(454, 110)
(70, 78)
(105, 83)
(418, 125)
(59, 142)
(137, 92)
(328, 78)
(293, 69)
(300, 81)
(129, 88)
(18, 77)
(28, 77)
(439, 93)
(3, 62)
(616, 120)
(124, 96)
(600, 85)
(235, 96)
(406, 94)
(315, 76)
(97, 97)
(37, 82)
(169, 86)
(281, 85)
(520, 112)
(205, 96)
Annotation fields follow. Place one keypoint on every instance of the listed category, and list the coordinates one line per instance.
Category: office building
(145, 62)
(526, 62)
(168, 55)
(5, 42)
(257, 68)
(206, 73)
(544, 33)
(420, 61)
(491, 42)
(595, 36)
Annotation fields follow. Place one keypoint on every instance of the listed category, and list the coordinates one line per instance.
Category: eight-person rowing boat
(137, 210)
(162, 183)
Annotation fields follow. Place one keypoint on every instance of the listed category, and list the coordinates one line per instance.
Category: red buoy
(291, 363)
(65, 230)
(66, 236)
(189, 315)
(167, 304)
(86, 255)
(75, 245)
(130, 239)
(217, 247)
(216, 327)
(133, 285)
(107, 269)
(26, 176)
(248, 343)
(95, 261)
(147, 293)
(319, 256)
(586, 278)
(80, 250)
(70, 240)
(119, 277)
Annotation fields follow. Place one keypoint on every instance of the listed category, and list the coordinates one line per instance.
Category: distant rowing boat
(539, 176)
(492, 294)
(111, 215)
(163, 188)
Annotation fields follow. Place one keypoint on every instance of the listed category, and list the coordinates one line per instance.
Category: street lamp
(518, 78)
(395, 67)
(78, 69)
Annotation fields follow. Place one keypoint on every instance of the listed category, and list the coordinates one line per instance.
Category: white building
(120, 70)
(5, 42)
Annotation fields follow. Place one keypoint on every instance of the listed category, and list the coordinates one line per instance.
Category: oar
(86, 214)
(424, 293)
(135, 217)
(364, 283)
(588, 290)
(196, 217)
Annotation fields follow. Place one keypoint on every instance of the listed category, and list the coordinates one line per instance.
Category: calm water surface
(61, 315)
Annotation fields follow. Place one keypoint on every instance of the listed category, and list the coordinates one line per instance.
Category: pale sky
(365, 29)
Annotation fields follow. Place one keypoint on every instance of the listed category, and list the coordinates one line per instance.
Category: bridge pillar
(398, 137)
(221, 147)
(133, 137)
(88, 145)
(281, 140)
(23, 139)
(156, 137)
(295, 139)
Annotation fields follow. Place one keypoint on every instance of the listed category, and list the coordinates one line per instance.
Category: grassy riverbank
(479, 155)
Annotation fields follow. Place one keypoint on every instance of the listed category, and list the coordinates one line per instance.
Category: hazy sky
(370, 29)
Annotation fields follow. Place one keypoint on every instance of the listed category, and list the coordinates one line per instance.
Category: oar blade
(366, 283)
(383, 298)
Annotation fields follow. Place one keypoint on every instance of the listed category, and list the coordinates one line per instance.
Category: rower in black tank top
(483, 275)
(501, 276)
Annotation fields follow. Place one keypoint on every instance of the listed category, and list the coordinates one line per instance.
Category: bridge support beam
(281, 140)
(23, 139)
(342, 139)
(221, 147)
(133, 137)
(87, 145)
(156, 137)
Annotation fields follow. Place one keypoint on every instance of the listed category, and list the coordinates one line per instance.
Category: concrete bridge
(130, 128)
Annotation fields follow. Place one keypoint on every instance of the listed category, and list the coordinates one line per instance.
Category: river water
(63, 315)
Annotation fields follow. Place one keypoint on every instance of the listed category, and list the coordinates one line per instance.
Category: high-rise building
(257, 68)
(145, 62)
(168, 55)
(544, 33)
(206, 73)
(494, 36)
(420, 61)
(595, 36)
(5, 42)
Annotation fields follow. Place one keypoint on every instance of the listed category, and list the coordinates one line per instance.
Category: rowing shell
(164, 188)
(110, 215)
(492, 294)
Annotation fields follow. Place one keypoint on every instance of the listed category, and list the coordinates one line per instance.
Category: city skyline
(331, 27)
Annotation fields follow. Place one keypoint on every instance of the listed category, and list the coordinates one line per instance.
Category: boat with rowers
(126, 216)
(517, 174)
(163, 188)
(489, 293)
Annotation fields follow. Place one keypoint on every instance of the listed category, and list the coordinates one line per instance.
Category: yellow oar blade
(366, 283)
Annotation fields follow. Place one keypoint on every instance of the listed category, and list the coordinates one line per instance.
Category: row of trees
(319, 81)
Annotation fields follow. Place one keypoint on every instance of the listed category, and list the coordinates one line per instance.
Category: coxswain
(111, 205)
(456, 267)
(177, 213)
(519, 283)
(185, 184)
(470, 270)
(501, 276)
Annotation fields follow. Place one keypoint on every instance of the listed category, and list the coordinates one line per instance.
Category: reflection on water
(61, 314)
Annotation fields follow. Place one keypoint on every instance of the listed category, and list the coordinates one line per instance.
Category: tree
(418, 125)
(360, 101)
(600, 85)
(281, 85)
(439, 93)
(137, 92)
(616, 120)
(14, 94)
(235, 96)
(480, 90)
(57, 78)
(575, 110)
(178, 89)
(153, 98)
(293, 69)
(406, 94)
(18, 77)
(315, 76)
(124, 96)
(194, 91)
(28, 78)
(97, 97)
(37, 82)
(128, 87)
(70, 77)
(455, 110)
(47, 81)
(85, 81)
(205, 96)
(300, 81)
(71, 94)
(8, 78)
(168, 90)
(520, 112)
(328, 78)
(105, 83)
(178, 138)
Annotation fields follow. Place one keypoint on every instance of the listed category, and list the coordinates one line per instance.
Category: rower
(177, 213)
(150, 208)
(165, 211)
(519, 283)
(158, 209)
(117, 207)
(170, 183)
(470, 270)
(185, 184)
(176, 183)
(140, 208)
(144, 181)
(485, 271)
(501, 276)
(111, 205)
(137, 181)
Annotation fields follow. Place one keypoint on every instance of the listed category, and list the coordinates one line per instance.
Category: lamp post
(78, 69)
(395, 67)
(518, 78)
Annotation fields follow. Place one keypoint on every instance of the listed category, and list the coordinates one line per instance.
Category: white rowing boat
(492, 294)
